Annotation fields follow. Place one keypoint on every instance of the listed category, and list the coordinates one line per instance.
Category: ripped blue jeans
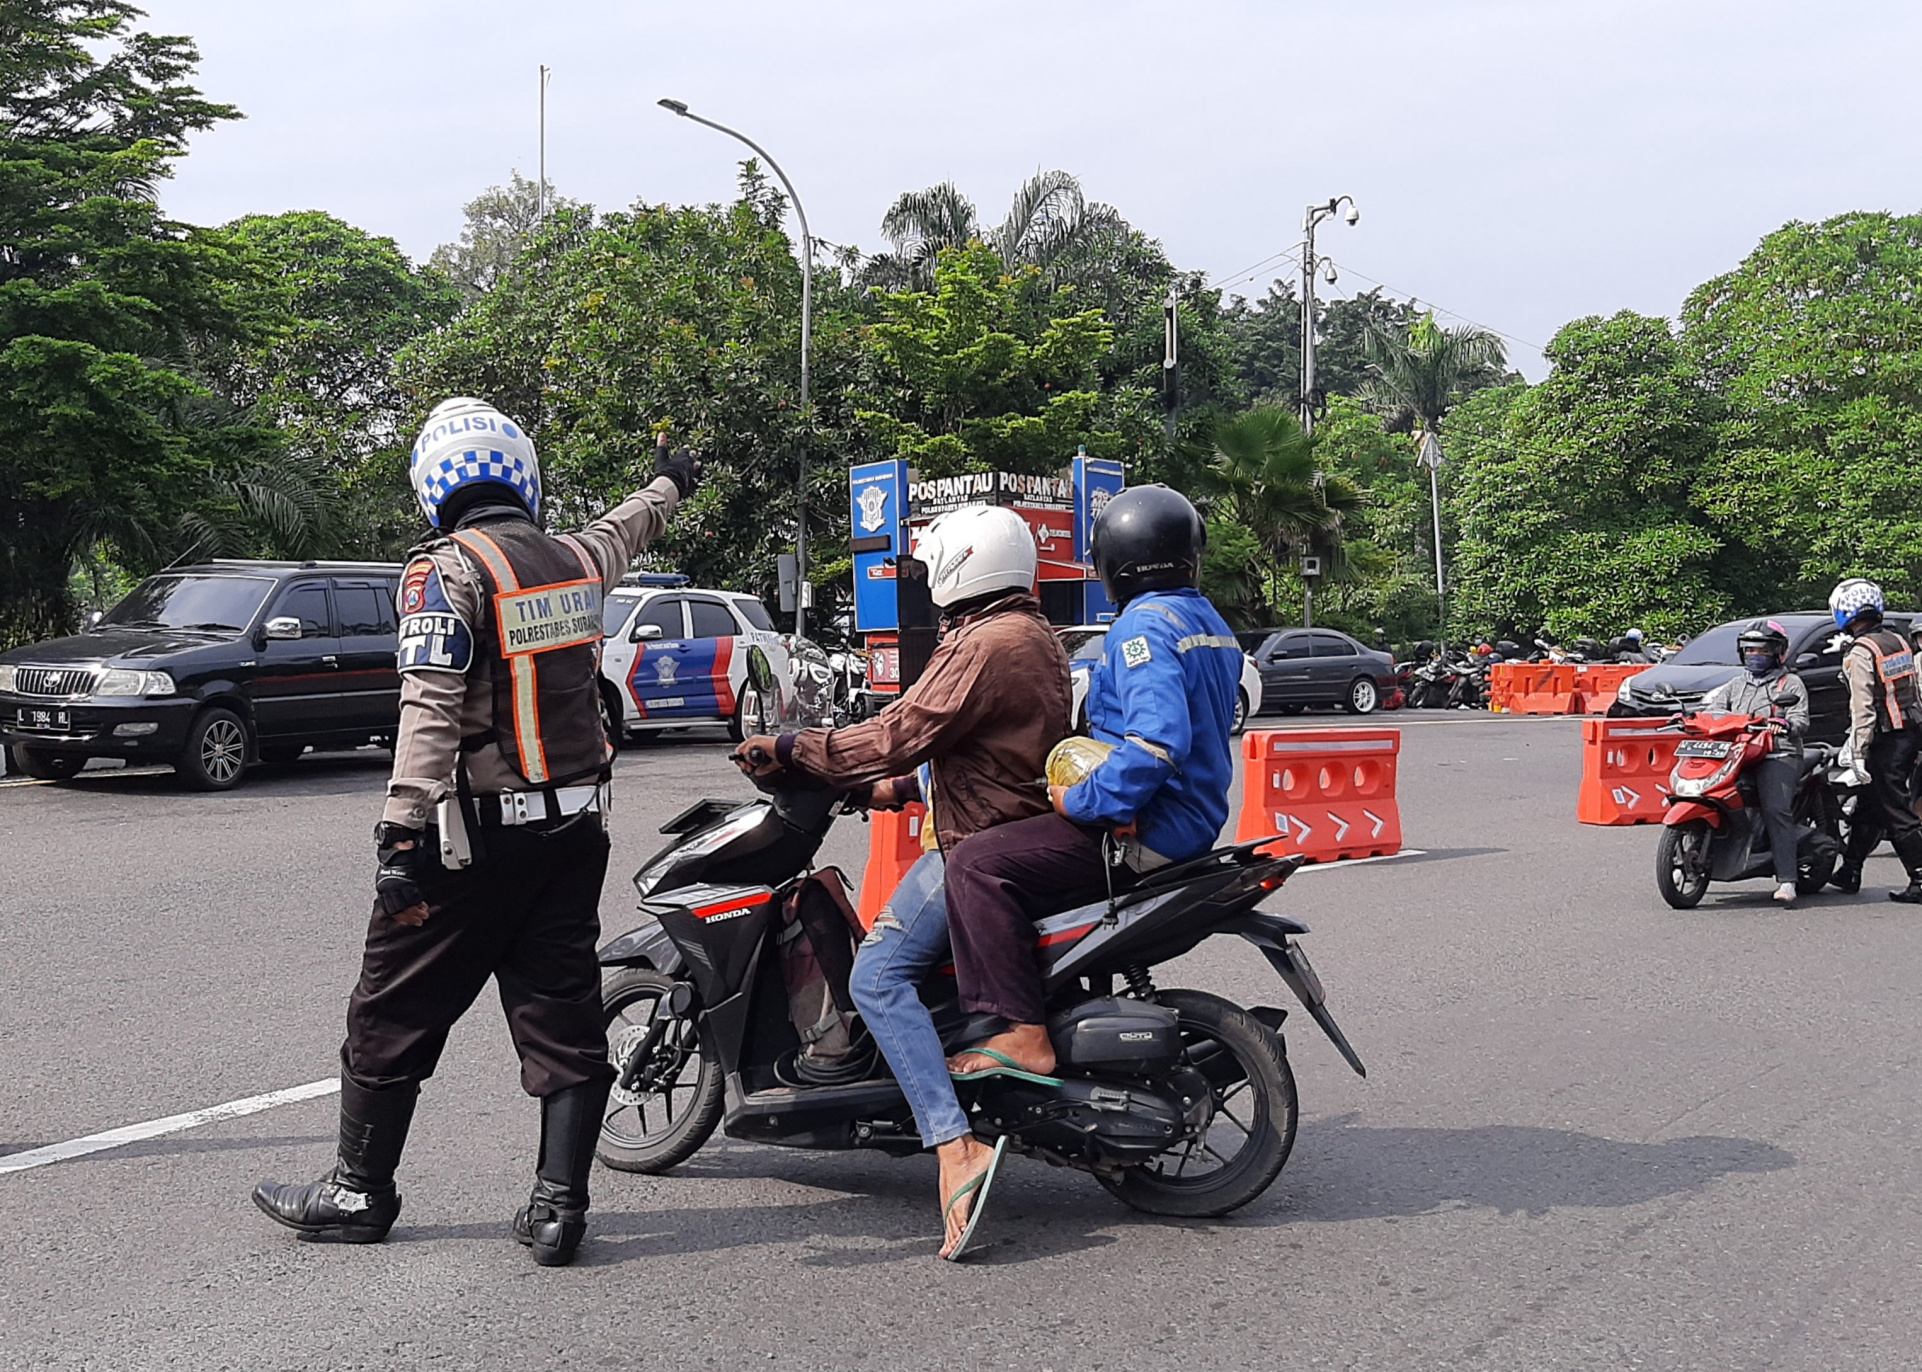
(910, 940)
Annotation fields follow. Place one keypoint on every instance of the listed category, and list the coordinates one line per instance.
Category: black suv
(1709, 659)
(210, 668)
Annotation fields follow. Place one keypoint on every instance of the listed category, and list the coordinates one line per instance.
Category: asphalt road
(1596, 1133)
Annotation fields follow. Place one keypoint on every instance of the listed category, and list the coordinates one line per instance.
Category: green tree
(1574, 498)
(107, 432)
(349, 302)
(678, 319)
(1815, 345)
(1263, 476)
(1051, 226)
(991, 371)
(499, 223)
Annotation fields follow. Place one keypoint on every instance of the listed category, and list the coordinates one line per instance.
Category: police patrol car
(676, 655)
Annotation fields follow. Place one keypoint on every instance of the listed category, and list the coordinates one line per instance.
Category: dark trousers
(528, 914)
(1000, 881)
(1775, 785)
(1887, 808)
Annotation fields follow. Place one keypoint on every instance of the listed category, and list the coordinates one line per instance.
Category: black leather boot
(1910, 851)
(1847, 878)
(356, 1202)
(554, 1220)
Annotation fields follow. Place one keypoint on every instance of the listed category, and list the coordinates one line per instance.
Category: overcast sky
(1516, 163)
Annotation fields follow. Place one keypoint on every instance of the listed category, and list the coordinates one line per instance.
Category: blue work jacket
(1164, 694)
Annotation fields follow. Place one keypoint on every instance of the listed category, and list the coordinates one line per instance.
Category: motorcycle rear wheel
(665, 1124)
(1681, 864)
(1252, 1128)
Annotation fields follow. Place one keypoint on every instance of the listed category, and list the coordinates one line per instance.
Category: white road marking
(172, 1124)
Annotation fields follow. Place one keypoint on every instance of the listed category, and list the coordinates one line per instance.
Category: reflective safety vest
(1898, 703)
(541, 633)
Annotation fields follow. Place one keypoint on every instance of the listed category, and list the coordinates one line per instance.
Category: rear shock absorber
(1140, 985)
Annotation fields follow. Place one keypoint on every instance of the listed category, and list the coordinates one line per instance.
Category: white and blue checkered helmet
(465, 442)
(1852, 597)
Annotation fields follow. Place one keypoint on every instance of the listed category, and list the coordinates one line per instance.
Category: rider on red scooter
(1763, 646)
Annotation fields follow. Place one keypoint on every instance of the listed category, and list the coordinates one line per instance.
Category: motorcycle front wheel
(664, 1109)
(1681, 864)
(1247, 1130)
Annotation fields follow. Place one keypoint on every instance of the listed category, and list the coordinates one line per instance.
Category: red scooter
(1713, 828)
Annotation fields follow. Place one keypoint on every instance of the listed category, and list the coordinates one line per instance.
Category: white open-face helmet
(974, 550)
(466, 442)
(1852, 597)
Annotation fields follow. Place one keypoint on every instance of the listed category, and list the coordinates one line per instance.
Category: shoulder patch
(1135, 652)
(433, 638)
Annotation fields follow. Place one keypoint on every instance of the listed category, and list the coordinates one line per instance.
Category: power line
(1439, 308)
(1291, 258)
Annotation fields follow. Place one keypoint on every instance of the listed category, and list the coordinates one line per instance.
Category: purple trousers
(1000, 881)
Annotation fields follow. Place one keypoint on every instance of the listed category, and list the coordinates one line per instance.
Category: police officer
(1885, 717)
(493, 843)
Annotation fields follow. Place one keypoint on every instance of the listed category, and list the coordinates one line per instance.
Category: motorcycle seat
(1817, 757)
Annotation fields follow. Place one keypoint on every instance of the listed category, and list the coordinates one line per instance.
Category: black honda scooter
(1179, 1102)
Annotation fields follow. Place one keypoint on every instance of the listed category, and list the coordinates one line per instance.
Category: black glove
(682, 467)
(397, 879)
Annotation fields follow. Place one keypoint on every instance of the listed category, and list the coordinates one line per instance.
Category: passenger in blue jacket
(1163, 695)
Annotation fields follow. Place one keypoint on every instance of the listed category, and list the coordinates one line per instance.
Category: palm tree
(1416, 381)
(1261, 468)
(1051, 226)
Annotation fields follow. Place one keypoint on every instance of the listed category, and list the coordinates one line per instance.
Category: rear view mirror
(1785, 700)
(761, 672)
(283, 626)
(645, 633)
(1809, 660)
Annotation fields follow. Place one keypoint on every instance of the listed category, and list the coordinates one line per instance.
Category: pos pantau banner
(887, 501)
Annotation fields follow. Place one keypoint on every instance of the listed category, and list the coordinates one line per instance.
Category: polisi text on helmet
(465, 424)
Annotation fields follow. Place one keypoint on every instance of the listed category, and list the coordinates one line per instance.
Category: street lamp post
(807, 322)
(1309, 265)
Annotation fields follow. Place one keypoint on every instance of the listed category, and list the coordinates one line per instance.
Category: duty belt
(511, 809)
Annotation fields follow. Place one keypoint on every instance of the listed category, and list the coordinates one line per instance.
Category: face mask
(1759, 664)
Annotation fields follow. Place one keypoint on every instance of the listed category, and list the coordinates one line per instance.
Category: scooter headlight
(1690, 787)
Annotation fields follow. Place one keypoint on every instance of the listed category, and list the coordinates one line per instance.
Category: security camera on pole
(1310, 264)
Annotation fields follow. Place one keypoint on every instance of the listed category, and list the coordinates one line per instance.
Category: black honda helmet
(1148, 538)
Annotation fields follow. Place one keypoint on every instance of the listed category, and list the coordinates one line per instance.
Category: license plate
(48, 721)
(1702, 747)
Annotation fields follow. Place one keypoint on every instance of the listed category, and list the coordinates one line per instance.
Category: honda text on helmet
(1854, 598)
(467, 442)
(1148, 538)
(1763, 646)
(976, 550)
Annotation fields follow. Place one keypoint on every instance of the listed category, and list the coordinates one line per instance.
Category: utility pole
(540, 190)
(1170, 362)
(1310, 264)
(807, 323)
(1430, 457)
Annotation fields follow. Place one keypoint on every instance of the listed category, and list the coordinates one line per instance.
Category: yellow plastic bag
(1070, 761)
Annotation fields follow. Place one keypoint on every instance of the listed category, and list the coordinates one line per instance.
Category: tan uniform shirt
(1858, 669)
(440, 708)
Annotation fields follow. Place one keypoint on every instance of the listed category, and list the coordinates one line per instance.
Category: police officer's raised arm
(615, 538)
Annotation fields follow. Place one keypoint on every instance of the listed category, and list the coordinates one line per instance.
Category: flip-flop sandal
(1008, 1068)
(978, 1188)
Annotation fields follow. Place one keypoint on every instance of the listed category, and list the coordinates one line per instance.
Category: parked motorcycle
(1177, 1101)
(1713, 830)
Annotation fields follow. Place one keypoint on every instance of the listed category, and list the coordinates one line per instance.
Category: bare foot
(962, 1160)
(1028, 1045)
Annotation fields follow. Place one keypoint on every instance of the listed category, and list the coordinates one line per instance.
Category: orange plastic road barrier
(894, 845)
(1323, 793)
(1597, 682)
(1502, 678)
(1545, 688)
(1625, 767)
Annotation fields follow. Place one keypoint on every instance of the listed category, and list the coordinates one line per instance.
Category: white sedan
(1084, 645)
